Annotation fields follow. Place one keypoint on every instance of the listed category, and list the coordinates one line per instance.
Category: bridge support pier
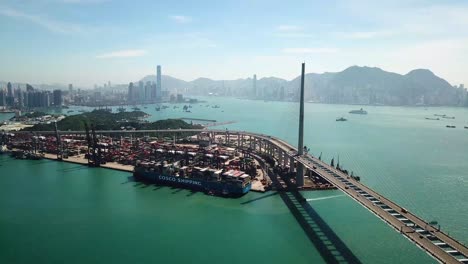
(300, 175)
(291, 164)
(285, 159)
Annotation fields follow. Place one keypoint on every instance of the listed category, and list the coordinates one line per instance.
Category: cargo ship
(221, 182)
(359, 112)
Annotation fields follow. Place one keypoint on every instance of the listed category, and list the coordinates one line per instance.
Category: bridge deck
(435, 242)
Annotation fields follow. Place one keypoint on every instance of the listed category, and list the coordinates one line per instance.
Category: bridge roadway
(438, 244)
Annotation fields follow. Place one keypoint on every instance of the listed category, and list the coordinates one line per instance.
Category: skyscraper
(10, 99)
(2, 98)
(140, 95)
(130, 94)
(147, 92)
(153, 91)
(57, 95)
(255, 86)
(9, 89)
(158, 82)
(19, 95)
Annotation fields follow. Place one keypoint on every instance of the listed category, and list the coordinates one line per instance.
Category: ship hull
(216, 188)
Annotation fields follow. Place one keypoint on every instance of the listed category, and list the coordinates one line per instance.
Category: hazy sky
(88, 42)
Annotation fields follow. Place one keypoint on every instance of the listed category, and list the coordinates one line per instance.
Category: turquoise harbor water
(55, 212)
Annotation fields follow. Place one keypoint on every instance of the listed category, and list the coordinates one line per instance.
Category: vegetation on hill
(34, 114)
(105, 120)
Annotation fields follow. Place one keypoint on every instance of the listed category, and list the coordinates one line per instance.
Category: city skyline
(85, 42)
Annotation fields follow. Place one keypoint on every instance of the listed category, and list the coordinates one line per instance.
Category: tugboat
(359, 112)
(341, 119)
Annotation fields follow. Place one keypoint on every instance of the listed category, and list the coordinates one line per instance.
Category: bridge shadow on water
(260, 198)
(329, 245)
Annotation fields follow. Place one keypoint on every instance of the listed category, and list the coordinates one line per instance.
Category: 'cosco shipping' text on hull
(210, 187)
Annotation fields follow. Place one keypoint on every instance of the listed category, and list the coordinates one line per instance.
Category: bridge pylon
(300, 147)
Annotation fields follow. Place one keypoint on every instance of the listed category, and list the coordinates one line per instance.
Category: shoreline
(81, 160)
(257, 186)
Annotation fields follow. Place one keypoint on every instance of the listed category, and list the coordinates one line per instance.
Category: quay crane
(88, 140)
(59, 143)
(96, 148)
(93, 153)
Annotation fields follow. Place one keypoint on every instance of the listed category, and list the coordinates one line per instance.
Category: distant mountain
(354, 85)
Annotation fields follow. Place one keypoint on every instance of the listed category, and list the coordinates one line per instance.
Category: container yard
(151, 159)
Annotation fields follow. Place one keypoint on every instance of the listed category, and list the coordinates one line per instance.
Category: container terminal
(295, 167)
(202, 162)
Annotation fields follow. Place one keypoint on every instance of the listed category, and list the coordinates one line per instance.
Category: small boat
(358, 112)
(70, 111)
(121, 109)
(341, 119)
(466, 127)
(450, 126)
(448, 117)
(136, 109)
(158, 108)
(430, 118)
(440, 115)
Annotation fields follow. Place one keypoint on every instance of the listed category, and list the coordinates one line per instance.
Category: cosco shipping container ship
(211, 181)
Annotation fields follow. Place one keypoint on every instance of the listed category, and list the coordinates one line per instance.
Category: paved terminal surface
(257, 185)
